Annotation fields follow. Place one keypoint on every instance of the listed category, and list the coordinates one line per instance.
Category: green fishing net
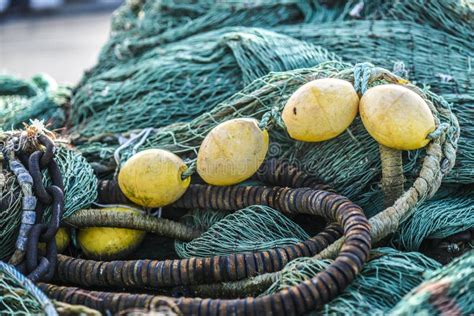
(384, 280)
(38, 98)
(438, 218)
(254, 228)
(182, 80)
(10, 215)
(445, 291)
(19, 296)
(143, 25)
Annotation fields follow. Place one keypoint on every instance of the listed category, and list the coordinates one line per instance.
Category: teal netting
(383, 281)
(38, 98)
(438, 218)
(143, 25)
(80, 182)
(446, 291)
(10, 213)
(254, 228)
(19, 296)
(182, 80)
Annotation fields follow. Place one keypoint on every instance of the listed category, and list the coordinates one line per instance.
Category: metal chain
(27, 258)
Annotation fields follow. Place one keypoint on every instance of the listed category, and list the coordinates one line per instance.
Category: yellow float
(62, 240)
(153, 178)
(232, 152)
(106, 243)
(320, 110)
(396, 117)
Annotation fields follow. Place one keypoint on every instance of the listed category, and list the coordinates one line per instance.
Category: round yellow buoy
(153, 178)
(396, 117)
(107, 243)
(62, 240)
(320, 110)
(232, 152)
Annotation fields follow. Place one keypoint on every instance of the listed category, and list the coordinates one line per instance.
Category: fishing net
(254, 228)
(80, 190)
(445, 291)
(438, 218)
(10, 215)
(139, 26)
(388, 43)
(384, 280)
(183, 80)
(19, 296)
(38, 98)
(450, 16)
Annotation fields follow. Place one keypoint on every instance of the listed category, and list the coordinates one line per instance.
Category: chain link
(27, 258)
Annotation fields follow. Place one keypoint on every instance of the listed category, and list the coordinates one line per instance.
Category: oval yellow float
(396, 117)
(320, 110)
(153, 178)
(232, 152)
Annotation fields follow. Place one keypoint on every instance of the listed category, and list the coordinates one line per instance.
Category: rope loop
(362, 76)
(440, 130)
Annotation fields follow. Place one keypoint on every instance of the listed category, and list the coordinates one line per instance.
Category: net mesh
(445, 291)
(254, 228)
(185, 79)
(38, 98)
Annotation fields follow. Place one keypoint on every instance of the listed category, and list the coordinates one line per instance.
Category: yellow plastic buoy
(62, 240)
(320, 110)
(396, 117)
(153, 178)
(107, 243)
(232, 152)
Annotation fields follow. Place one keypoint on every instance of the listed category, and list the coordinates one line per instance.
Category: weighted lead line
(298, 299)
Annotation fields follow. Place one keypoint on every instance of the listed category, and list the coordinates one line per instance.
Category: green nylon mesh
(38, 98)
(445, 291)
(185, 79)
(254, 228)
(438, 218)
(142, 25)
(10, 214)
(384, 280)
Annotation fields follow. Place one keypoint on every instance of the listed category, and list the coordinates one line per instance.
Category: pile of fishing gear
(247, 158)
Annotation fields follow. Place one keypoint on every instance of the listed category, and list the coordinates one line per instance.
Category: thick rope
(150, 224)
